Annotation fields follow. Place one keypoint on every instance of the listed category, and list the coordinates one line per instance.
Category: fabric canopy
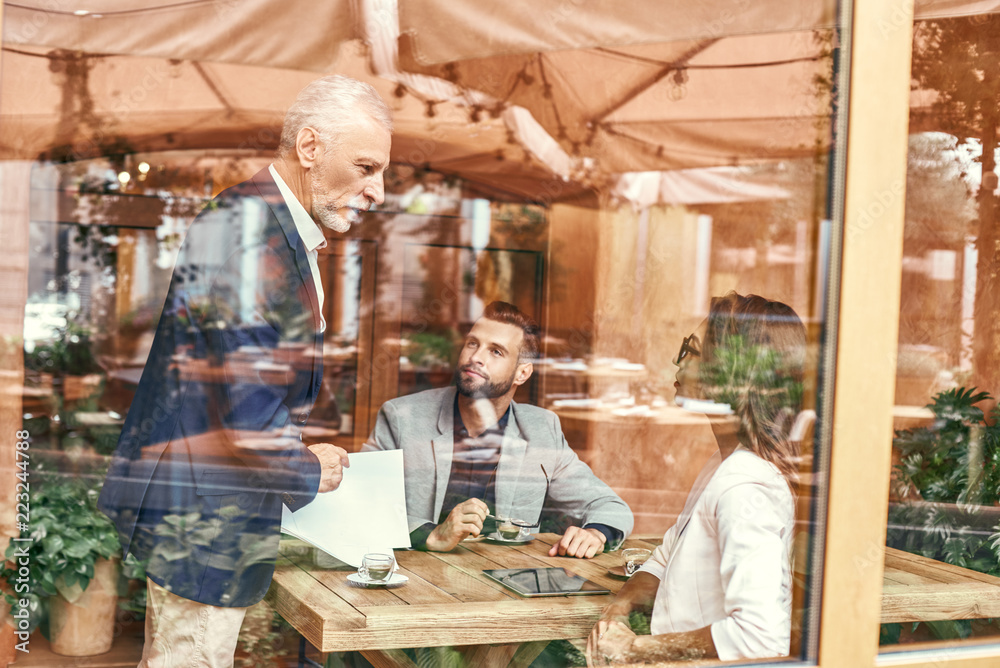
(61, 104)
(436, 32)
(290, 34)
(742, 99)
(538, 100)
(650, 85)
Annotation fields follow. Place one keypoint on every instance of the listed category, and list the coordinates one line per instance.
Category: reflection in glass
(943, 521)
(663, 194)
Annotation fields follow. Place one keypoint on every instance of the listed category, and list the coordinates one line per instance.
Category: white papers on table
(366, 513)
(707, 407)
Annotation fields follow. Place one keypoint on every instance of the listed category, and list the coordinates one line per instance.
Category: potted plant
(69, 360)
(73, 563)
(431, 356)
(947, 482)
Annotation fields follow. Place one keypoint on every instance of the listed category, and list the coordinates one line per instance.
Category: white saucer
(394, 579)
(497, 538)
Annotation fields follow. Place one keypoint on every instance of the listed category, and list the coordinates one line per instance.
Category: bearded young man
(470, 451)
(211, 447)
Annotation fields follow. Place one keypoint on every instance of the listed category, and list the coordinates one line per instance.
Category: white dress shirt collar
(307, 228)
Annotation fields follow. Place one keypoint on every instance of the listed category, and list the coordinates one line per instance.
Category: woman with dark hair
(720, 584)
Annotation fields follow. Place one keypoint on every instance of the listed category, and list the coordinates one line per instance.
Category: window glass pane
(942, 561)
(661, 206)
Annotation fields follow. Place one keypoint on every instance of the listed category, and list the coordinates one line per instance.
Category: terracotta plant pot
(87, 625)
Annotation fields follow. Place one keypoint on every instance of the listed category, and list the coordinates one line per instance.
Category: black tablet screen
(545, 582)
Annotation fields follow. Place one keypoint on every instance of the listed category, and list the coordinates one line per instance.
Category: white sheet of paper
(366, 513)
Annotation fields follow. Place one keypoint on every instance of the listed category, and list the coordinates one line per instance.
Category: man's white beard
(330, 218)
(328, 212)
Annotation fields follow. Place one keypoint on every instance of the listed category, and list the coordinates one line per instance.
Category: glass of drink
(376, 567)
(634, 558)
(509, 529)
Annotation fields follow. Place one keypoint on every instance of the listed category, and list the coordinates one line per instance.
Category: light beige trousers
(181, 633)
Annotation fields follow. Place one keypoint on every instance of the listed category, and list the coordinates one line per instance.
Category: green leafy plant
(429, 350)
(68, 535)
(948, 475)
(133, 599)
(179, 536)
(736, 366)
(954, 460)
(69, 353)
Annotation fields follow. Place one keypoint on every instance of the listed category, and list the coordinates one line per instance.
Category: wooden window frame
(867, 297)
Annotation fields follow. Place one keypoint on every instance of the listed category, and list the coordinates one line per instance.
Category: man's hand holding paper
(332, 460)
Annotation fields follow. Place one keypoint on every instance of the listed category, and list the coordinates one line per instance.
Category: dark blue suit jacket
(210, 447)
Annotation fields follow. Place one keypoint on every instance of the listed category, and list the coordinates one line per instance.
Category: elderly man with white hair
(211, 448)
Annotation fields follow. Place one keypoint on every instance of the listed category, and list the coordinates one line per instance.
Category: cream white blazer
(725, 563)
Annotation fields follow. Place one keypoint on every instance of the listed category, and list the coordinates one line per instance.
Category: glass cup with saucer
(377, 568)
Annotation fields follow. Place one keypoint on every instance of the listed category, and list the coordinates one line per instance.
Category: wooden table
(918, 589)
(905, 417)
(447, 602)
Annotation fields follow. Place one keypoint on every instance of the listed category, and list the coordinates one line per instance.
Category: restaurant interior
(609, 170)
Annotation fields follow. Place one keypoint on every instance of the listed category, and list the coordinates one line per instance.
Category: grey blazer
(537, 470)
